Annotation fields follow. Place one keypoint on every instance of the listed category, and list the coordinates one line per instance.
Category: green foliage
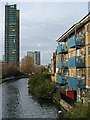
(78, 111)
(41, 86)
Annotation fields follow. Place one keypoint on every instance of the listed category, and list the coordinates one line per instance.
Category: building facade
(31, 54)
(11, 34)
(37, 57)
(73, 58)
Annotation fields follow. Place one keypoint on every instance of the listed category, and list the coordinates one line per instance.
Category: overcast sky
(41, 24)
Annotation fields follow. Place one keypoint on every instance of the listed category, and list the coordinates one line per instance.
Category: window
(87, 29)
(89, 50)
(71, 72)
(66, 56)
(83, 71)
(71, 54)
(83, 51)
(78, 52)
(89, 73)
(78, 72)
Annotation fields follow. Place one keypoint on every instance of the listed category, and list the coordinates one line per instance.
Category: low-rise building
(73, 54)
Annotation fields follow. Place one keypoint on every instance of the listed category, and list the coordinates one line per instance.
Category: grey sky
(43, 23)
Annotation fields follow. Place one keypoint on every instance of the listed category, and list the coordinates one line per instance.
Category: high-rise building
(37, 57)
(31, 54)
(11, 34)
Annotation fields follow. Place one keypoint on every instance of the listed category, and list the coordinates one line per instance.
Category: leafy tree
(27, 65)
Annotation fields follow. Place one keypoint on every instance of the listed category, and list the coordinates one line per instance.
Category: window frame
(89, 73)
(87, 28)
(88, 51)
(71, 72)
(78, 73)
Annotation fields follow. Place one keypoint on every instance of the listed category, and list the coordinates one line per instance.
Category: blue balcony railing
(79, 41)
(76, 82)
(62, 79)
(80, 62)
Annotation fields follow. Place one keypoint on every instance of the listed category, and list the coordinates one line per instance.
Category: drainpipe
(58, 70)
(76, 57)
(61, 63)
(68, 52)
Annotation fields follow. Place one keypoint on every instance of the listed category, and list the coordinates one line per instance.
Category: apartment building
(54, 67)
(11, 50)
(73, 58)
(37, 57)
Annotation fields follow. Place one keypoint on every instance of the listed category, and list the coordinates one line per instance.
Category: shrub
(79, 110)
(41, 86)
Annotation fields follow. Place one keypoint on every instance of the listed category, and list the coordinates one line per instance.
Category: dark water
(18, 103)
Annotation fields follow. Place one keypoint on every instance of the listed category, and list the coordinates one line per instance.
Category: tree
(39, 68)
(27, 65)
(9, 70)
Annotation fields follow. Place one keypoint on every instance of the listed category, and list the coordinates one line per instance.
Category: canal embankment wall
(11, 79)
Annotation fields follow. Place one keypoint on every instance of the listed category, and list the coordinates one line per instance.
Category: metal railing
(67, 99)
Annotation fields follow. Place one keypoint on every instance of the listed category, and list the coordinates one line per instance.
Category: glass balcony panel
(62, 64)
(59, 64)
(62, 49)
(80, 61)
(62, 79)
(80, 40)
(76, 82)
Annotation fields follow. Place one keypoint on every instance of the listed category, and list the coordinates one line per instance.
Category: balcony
(62, 49)
(80, 62)
(62, 79)
(59, 64)
(80, 41)
(76, 82)
(62, 64)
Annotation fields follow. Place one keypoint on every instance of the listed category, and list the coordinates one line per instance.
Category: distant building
(11, 34)
(31, 54)
(37, 57)
(3, 58)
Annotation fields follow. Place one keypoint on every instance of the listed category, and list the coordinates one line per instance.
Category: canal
(17, 102)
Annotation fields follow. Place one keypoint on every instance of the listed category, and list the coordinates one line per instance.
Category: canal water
(17, 102)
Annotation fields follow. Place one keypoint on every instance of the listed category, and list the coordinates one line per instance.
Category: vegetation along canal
(17, 102)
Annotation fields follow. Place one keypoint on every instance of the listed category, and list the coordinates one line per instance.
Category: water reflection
(11, 98)
(18, 103)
